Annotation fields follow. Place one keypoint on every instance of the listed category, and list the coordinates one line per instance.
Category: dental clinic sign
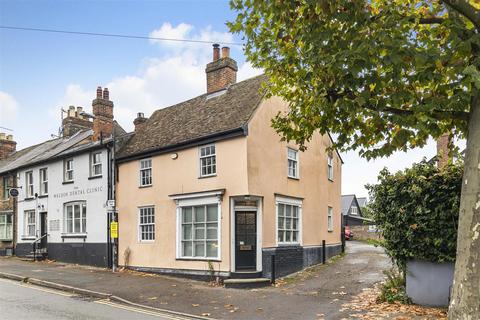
(79, 192)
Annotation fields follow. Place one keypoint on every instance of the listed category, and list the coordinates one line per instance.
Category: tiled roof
(197, 118)
(347, 202)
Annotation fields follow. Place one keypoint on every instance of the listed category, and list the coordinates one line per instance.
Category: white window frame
(199, 199)
(4, 224)
(28, 223)
(82, 218)
(94, 164)
(330, 167)
(330, 218)
(145, 169)
(281, 200)
(354, 212)
(295, 161)
(29, 189)
(211, 156)
(144, 224)
(43, 177)
(67, 170)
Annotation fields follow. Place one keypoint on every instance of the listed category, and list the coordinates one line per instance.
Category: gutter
(224, 135)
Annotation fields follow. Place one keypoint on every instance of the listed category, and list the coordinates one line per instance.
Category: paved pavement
(38, 303)
(320, 290)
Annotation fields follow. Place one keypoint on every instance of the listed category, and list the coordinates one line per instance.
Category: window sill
(331, 180)
(146, 241)
(67, 182)
(198, 259)
(293, 178)
(293, 244)
(6, 240)
(209, 176)
(74, 235)
(29, 198)
(95, 177)
(43, 196)
(27, 238)
(330, 231)
(146, 186)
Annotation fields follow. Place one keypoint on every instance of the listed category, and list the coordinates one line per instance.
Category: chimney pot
(2, 136)
(139, 121)
(10, 137)
(225, 52)
(106, 94)
(99, 92)
(216, 51)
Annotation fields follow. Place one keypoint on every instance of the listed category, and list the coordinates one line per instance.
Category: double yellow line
(139, 310)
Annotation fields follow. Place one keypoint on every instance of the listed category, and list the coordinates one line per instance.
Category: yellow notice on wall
(113, 229)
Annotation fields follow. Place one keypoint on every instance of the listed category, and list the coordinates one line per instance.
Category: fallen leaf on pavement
(195, 305)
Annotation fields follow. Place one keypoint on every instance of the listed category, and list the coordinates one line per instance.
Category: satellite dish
(13, 192)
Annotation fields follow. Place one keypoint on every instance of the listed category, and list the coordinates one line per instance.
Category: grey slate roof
(362, 202)
(347, 202)
(197, 118)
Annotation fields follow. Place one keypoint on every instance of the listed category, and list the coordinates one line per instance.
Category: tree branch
(466, 10)
(333, 95)
(430, 20)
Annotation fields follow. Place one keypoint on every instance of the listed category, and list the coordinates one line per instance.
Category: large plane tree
(382, 76)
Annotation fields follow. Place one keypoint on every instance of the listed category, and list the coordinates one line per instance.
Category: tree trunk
(465, 301)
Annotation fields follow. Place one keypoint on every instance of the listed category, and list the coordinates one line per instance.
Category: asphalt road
(20, 301)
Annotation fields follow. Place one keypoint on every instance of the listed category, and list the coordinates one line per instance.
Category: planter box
(429, 283)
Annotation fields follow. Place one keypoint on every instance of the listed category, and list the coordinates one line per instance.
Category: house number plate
(245, 248)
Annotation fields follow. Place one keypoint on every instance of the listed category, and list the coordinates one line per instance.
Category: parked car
(348, 233)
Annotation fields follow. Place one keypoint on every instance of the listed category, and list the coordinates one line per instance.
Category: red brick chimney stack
(74, 122)
(139, 121)
(216, 52)
(103, 111)
(221, 72)
(443, 150)
(7, 145)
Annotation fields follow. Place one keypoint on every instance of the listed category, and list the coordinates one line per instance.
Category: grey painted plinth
(429, 283)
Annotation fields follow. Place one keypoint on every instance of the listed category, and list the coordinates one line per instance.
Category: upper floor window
(147, 224)
(6, 229)
(330, 167)
(29, 183)
(6, 188)
(75, 217)
(44, 181)
(208, 161)
(145, 172)
(96, 164)
(68, 170)
(330, 219)
(288, 221)
(354, 210)
(292, 156)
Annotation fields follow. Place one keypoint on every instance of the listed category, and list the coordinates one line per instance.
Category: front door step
(246, 274)
(246, 283)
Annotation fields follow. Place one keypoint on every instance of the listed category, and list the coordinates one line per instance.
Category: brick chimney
(7, 145)
(139, 121)
(443, 150)
(75, 121)
(103, 111)
(222, 71)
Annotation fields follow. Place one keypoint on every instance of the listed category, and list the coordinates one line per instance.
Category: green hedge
(417, 209)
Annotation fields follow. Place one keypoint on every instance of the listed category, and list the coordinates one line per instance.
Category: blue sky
(42, 72)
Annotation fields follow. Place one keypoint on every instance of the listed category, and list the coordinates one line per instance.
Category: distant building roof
(362, 202)
(347, 202)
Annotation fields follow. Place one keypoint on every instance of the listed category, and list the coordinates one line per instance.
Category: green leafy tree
(382, 76)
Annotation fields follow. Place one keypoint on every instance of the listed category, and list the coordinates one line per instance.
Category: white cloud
(8, 108)
(176, 75)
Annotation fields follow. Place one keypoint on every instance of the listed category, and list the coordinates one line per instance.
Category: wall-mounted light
(174, 156)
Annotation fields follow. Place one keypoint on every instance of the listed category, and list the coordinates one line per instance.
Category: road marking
(31, 286)
(139, 310)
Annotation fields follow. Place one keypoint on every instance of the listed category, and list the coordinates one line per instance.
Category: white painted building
(64, 200)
